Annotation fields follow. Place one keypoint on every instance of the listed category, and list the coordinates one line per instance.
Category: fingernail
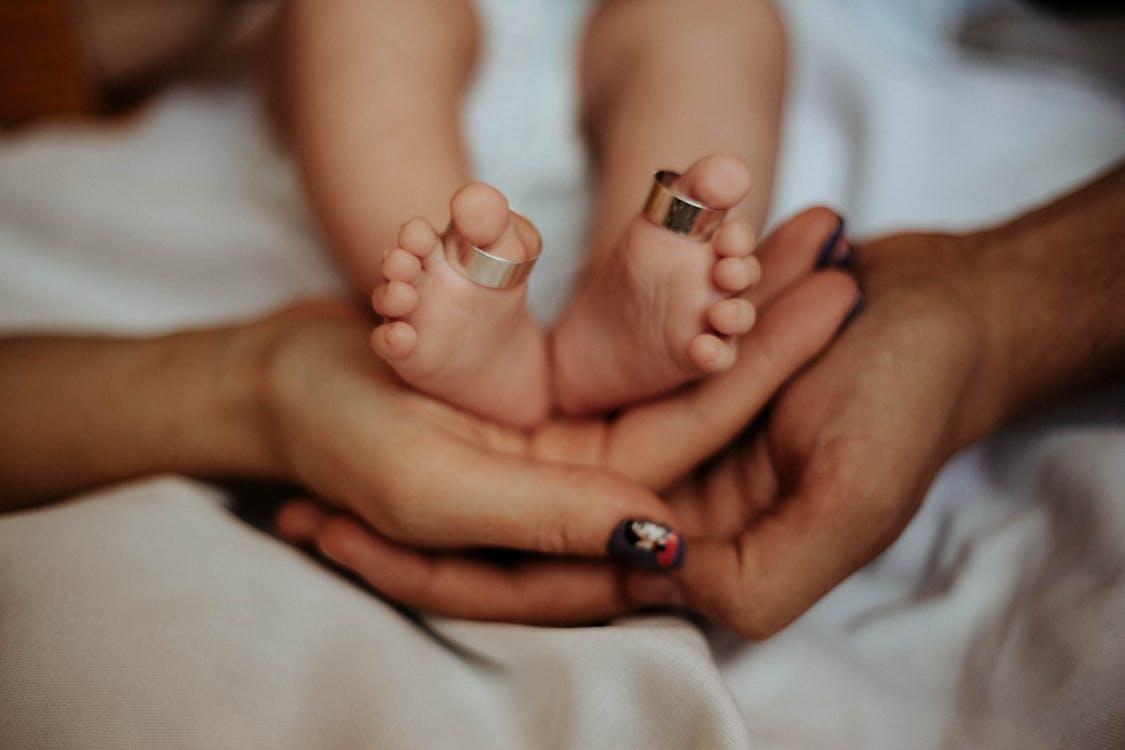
(846, 259)
(854, 309)
(646, 544)
(827, 252)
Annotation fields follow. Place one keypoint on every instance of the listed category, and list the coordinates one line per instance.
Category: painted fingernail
(646, 544)
(827, 253)
(846, 259)
(854, 309)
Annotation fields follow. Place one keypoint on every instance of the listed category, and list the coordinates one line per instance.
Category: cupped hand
(429, 482)
(847, 454)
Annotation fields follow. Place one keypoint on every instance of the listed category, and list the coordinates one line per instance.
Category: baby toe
(734, 239)
(394, 299)
(736, 274)
(480, 213)
(418, 237)
(717, 181)
(401, 265)
(395, 340)
(731, 317)
(710, 354)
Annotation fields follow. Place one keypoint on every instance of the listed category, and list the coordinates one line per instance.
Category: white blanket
(147, 616)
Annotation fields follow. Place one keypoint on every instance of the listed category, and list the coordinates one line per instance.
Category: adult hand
(958, 334)
(846, 456)
(300, 396)
(423, 475)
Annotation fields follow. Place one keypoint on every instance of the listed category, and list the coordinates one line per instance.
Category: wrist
(242, 441)
(288, 361)
(990, 290)
(995, 287)
(981, 293)
(926, 282)
(1041, 286)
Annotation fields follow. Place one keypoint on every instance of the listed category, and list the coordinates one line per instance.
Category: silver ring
(678, 213)
(488, 270)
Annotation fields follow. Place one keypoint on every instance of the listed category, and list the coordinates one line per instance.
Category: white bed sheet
(995, 621)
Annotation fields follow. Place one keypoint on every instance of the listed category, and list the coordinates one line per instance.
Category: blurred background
(144, 187)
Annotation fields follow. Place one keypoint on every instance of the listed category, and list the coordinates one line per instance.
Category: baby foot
(659, 312)
(475, 347)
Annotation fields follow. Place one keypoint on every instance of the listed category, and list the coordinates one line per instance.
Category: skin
(300, 397)
(663, 308)
(646, 105)
(359, 131)
(480, 350)
(497, 366)
(958, 334)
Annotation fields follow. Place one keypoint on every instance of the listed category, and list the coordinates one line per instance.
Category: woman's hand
(423, 475)
(419, 471)
(299, 396)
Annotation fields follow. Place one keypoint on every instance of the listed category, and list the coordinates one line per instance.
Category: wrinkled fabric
(148, 616)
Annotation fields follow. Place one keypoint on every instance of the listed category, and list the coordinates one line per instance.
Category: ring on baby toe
(488, 270)
(678, 213)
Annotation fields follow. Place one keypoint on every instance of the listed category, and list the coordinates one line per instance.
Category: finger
(790, 252)
(767, 577)
(491, 500)
(298, 521)
(791, 332)
(729, 493)
(785, 562)
(543, 592)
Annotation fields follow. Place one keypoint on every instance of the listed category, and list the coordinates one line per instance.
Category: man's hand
(958, 335)
(846, 455)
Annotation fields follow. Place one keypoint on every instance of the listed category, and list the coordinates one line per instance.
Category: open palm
(571, 473)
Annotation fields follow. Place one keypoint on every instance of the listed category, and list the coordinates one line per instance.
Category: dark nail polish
(827, 252)
(846, 259)
(854, 309)
(646, 544)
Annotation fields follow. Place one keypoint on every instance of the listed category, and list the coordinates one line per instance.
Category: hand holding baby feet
(456, 323)
(661, 310)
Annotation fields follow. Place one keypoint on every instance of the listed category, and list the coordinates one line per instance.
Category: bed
(148, 615)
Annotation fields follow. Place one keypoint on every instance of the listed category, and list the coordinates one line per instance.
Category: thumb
(715, 583)
(490, 500)
(769, 575)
